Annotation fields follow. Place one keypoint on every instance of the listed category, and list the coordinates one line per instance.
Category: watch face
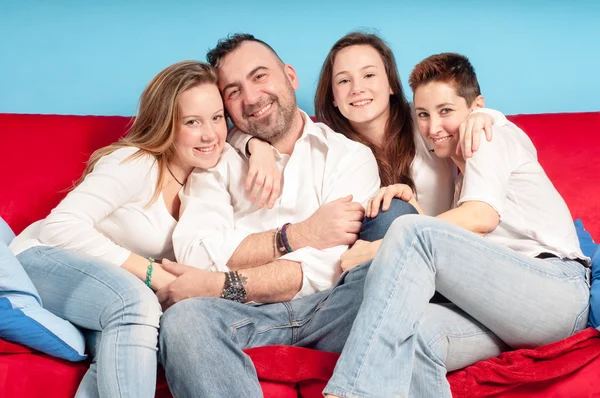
(235, 293)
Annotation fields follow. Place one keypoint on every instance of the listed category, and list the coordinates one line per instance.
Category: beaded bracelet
(278, 243)
(284, 238)
(149, 271)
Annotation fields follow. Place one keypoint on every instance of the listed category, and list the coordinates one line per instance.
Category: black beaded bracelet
(284, 237)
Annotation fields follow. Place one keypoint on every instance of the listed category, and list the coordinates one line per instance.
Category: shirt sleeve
(499, 118)
(487, 173)
(355, 174)
(115, 180)
(205, 236)
(239, 140)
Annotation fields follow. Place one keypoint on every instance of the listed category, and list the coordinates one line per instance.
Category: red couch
(41, 155)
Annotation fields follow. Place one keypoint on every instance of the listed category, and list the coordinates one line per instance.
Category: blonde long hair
(153, 130)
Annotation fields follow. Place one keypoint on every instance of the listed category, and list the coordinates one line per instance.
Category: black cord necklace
(173, 175)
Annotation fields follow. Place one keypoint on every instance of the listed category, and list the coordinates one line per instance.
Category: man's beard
(276, 125)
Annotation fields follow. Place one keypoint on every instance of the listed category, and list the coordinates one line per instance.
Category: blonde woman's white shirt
(217, 214)
(506, 174)
(108, 215)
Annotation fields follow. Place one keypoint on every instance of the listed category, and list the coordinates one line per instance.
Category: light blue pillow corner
(24, 321)
(6, 234)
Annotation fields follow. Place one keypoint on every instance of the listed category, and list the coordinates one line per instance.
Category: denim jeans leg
(88, 387)
(375, 228)
(98, 296)
(524, 301)
(331, 323)
(330, 326)
(202, 342)
(448, 339)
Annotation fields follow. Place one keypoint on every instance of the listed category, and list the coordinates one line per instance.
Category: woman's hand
(264, 173)
(360, 252)
(470, 133)
(161, 277)
(385, 195)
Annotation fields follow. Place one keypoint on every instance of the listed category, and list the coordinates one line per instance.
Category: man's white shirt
(217, 214)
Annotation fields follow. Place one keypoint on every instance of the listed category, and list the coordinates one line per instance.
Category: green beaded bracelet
(149, 271)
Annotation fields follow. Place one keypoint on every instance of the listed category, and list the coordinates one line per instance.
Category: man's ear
(478, 102)
(290, 73)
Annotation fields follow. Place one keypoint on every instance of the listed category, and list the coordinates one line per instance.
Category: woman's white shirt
(110, 214)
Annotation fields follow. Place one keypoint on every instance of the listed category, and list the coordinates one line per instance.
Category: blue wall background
(95, 57)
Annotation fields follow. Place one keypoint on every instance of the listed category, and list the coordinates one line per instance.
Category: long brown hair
(153, 130)
(396, 156)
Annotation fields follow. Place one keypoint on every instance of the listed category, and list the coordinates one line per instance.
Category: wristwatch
(234, 289)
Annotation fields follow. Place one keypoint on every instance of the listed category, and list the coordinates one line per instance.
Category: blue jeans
(120, 312)
(375, 228)
(202, 339)
(402, 346)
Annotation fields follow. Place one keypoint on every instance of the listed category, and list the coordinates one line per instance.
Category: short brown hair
(231, 43)
(395, 158)
(449, 68)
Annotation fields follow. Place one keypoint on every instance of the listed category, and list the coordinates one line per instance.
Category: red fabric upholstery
(41, 156)
(528, 372)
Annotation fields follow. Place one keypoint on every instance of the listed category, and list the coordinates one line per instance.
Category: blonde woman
(95, 259)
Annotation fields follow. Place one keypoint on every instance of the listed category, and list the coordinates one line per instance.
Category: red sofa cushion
(42, 155)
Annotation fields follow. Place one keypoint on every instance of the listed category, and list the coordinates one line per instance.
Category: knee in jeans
(201, 311)
(137, 304)
(174, 320)
(189, 323)
(375, 228)
(399, 207)
(409, 224)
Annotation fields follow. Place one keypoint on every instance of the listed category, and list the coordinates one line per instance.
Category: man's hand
(263, 174)
(190, 282)
(361, 252)
(470, 133)
(333, 224)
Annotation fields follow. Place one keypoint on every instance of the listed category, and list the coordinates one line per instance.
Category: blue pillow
(24, 321)
(594, 320)
(587, 244)
(592, 250)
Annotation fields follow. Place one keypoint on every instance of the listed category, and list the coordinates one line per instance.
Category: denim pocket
(242, 332)
(570, 269)
(582, 320)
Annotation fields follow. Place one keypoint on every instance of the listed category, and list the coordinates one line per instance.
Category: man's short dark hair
(230, 44)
